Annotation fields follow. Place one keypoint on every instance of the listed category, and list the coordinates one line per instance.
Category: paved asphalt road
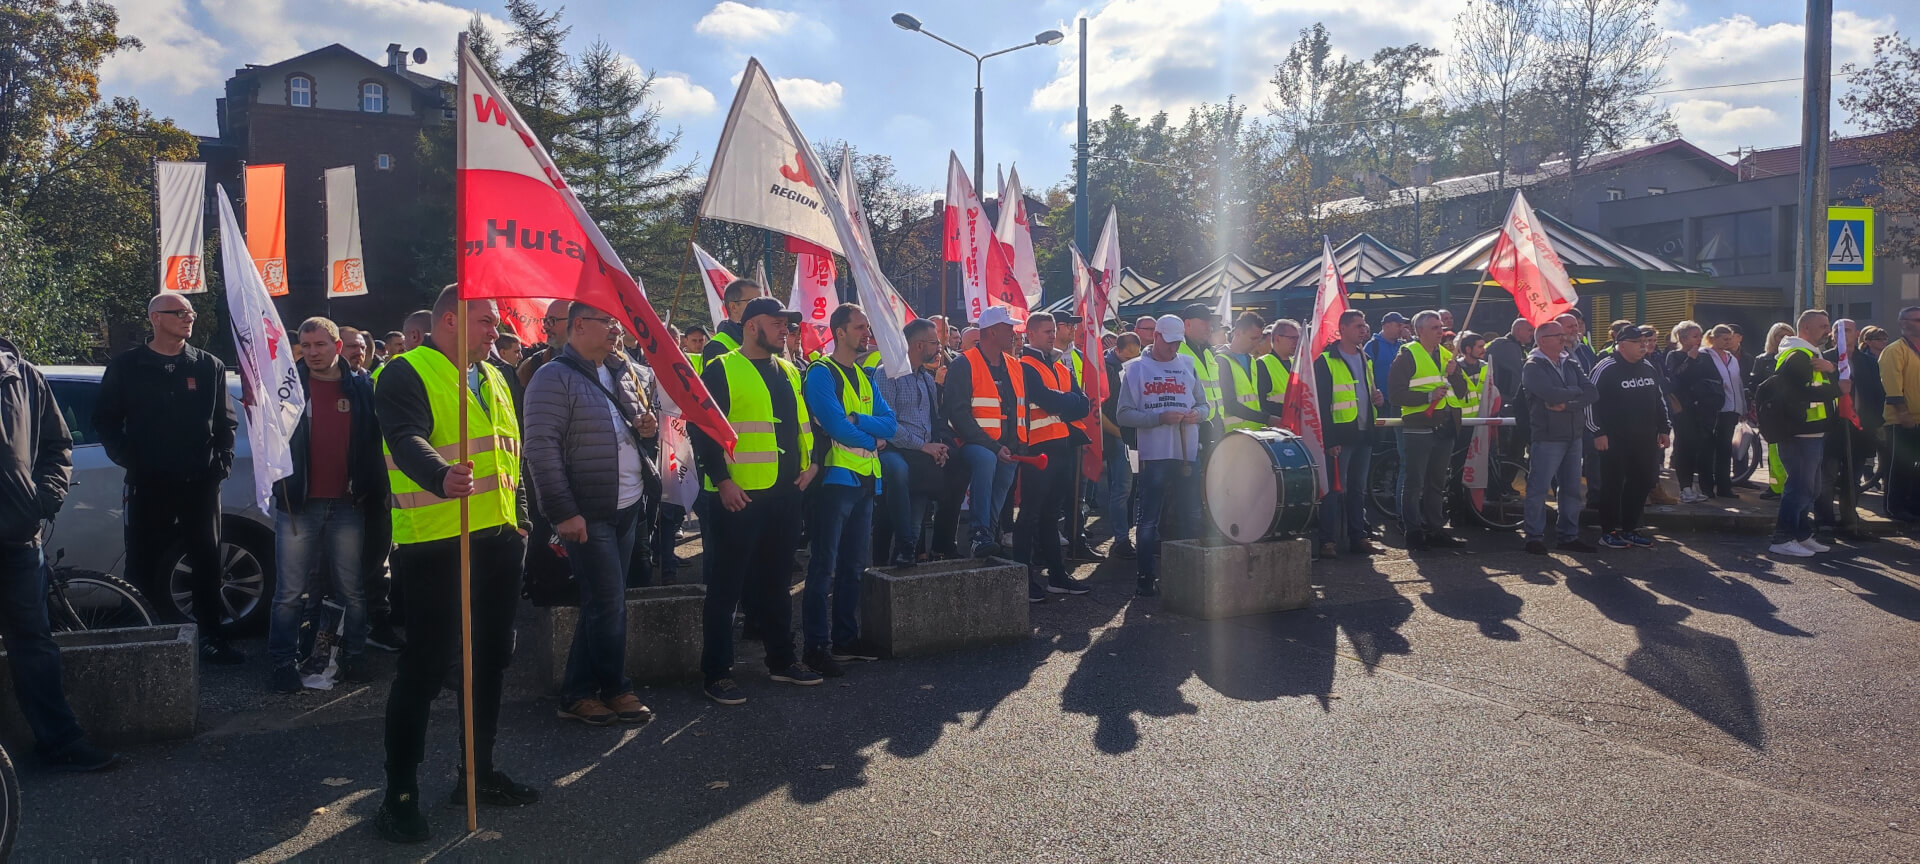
(1696, 702)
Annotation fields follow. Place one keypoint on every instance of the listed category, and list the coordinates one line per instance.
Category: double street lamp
(1046, 37)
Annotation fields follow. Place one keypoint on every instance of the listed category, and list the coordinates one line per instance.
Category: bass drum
(1260, 485)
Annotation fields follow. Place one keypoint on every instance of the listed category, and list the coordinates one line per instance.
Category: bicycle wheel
(1383, 484)
(1748, 453)
(1503, 505)
(91, 600)
(9, 805)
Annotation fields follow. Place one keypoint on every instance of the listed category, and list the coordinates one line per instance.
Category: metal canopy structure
(1132, 286)
(1227, 272)
(1598, 266)
(1362, 260)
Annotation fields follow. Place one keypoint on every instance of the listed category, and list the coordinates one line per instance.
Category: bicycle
(1502, 505)
(89, 599)
(9, 805)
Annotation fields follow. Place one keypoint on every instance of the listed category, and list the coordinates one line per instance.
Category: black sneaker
(1146, 588)
(725, 692)
(1058, 584)
(81, 757)
(1123, 551)
(353, 670)
(1036, 594)
(219, 653)
(387, 639)
(1416, 541)
(1576, 545)
(1536, 547)
(823, 663)
(400, 820)
(903, 561)
(285, 679)
(496, 789)
(852, 653)
(1639, 539)
(796, 673)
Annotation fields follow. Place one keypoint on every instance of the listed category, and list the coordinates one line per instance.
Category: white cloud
(743, 23)
(802, 92)
(176, 54)
(1738, 49)
(678, 96)
(274, 30)
(1713, 119)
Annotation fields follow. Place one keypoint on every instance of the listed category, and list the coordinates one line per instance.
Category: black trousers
(1903, 473)
(430, 573)
(382, 600)
(1693, 449)
(1036, 539)
(160, 514)
(752, 567)
(946, 512)
(1632, 467)
(1719, 449)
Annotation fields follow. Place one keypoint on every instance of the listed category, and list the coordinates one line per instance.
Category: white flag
(346, 270)
(274, 398)
(967, 238)
(716, 279)
(1013, 233)
(1002, 191)
(1106, 264)
(760, 276)
(759, 176)
(679, 481)
(181, 190)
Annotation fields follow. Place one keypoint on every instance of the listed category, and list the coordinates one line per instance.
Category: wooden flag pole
(466, 551)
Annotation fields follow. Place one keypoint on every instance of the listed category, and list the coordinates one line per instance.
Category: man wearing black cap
(1385, 346)
(1630, 425)
(1199, 320)
(755, 524)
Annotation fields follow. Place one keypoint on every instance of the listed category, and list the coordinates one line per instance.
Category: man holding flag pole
(1332, 409)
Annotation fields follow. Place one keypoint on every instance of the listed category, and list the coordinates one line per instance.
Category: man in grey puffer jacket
(1558, 395)
(584, 426)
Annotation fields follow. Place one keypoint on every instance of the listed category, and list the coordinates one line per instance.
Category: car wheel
(246, 586)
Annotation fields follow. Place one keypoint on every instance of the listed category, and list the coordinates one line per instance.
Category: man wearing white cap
(985, 401)
(1163, 398)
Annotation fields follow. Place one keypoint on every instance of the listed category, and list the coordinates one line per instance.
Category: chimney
(396, 57)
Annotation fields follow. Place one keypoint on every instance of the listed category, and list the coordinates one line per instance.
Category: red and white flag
(269, 377)
(1106, 267)
(1013, 279)
(1524, 263)
(814, 293)
(522, 232)
(1090, 297)
(716, 279)
(1844, 332)
(967, 238)
(180, 192)
(1473, 472)
(887, 314)
(1302, 407)
(522, 316)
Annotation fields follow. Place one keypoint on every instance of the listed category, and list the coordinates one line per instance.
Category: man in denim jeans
(1162, 398)
(985, 403)
(920, 434)
(585, 431)
(1558, 394)
(1117, 482)
(1807, 380)
(320, 511)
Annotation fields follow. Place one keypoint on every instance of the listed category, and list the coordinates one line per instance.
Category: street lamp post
(1045, 37)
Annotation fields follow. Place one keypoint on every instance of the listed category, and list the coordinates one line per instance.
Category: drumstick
(1039, 462)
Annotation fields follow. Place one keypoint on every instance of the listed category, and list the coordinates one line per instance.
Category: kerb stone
(944, 606)
(1209, 580)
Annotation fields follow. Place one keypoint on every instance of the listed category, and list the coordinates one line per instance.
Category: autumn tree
(1882, 101)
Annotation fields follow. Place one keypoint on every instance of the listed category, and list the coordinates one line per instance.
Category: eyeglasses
(606, 321)
(187, 314)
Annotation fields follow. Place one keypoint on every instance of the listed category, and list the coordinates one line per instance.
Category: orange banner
(267, 224)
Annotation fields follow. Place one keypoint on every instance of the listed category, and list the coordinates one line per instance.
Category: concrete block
(127, 686)
(1219, 579)
(663, 637)
(944, 606)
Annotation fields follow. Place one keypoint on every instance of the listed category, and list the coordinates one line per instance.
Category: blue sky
(846, 72)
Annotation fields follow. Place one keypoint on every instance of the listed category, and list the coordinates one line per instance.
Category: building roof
(1361, 260)
(1227, 272)
(1785, 161)
(1588, 257)
(1475, 184)
(1132, 285)
(421, 82)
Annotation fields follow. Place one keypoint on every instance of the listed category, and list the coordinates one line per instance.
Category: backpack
(1774, 410)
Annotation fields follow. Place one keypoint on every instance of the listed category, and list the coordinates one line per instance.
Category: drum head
(1241, 488)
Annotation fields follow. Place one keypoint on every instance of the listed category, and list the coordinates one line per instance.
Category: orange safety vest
(1042, 426)
(986, 396)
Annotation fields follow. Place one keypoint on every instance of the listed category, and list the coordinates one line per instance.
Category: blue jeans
(326, 529)
(1801, 456)
(1347, 504)
(1550, 463)
(905, 512)
(1167, 495)
(842, 527)
(31, 652)
(988, 487)
(597, 663)
(1117, 484)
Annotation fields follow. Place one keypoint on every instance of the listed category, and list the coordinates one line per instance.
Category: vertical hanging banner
(346, 270)
(274, 398)
(1302, 405)
(267, 225)
(967, 238)
(716, 279)
(521, 232)
(180, 192)
(1524, 263)
(815, 295)
(760, 177)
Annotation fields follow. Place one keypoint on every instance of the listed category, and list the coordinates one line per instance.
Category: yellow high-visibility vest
(1426, 374)
(493, 445)
(1817, 409)
(755, 463)
(856, 396)
(1209, 374)
(1245, 387)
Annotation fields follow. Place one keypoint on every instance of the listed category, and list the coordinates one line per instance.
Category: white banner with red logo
(968, 237)
(716, 279)
(1473, 472)
(1013, 279)
(273, 397)
(815, 295)
(679, 481)
(180, 190)
(759, 177)
(522, 232)
(346, 270)
(1524, 263)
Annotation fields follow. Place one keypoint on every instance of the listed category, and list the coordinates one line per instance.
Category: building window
(1736, 244)
(1656, 190)
(373, 98)
(383, 162)
(300, 91)
(1665, 239)
(1616, 194)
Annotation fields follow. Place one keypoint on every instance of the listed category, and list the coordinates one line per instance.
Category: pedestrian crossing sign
(1849, 245)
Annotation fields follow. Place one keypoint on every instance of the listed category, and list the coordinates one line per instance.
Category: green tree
(1882, 101)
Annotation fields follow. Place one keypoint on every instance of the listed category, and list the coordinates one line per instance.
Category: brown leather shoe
(1661, 496)
(627, 707)
(592, 712)
(1327, 553)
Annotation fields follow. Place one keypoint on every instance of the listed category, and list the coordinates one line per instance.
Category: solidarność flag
(1301, 411)
(967, 238)
(716, 279)
(522, 233)
(269, 376)
(1090, 297)
(1524, 263)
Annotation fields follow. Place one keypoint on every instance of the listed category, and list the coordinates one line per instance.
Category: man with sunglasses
(555, 325)
(163, 414)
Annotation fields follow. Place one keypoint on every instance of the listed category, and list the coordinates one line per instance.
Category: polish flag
(1013, 280)
(1106, 266)
(1090, 298)
(1844, 334)
(968, 238)
(1524, 263)
(523, 233)
(716, 278)
(1301, 413)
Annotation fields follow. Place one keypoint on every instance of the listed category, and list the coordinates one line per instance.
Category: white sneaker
(1689, 496)
(1791, 549)
(1813, 545)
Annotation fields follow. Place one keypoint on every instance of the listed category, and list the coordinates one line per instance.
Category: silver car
(90, 526)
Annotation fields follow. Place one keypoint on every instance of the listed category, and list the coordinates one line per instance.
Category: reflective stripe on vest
(986, 396)
(1469, 403)
(1043, 426)
(857, 398)
(493, 436)
(755, 463)
(1245, 387)
(1426, 374)
(1346, 392)
(1816, 410)
(1208, 371)
(1277, 377)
